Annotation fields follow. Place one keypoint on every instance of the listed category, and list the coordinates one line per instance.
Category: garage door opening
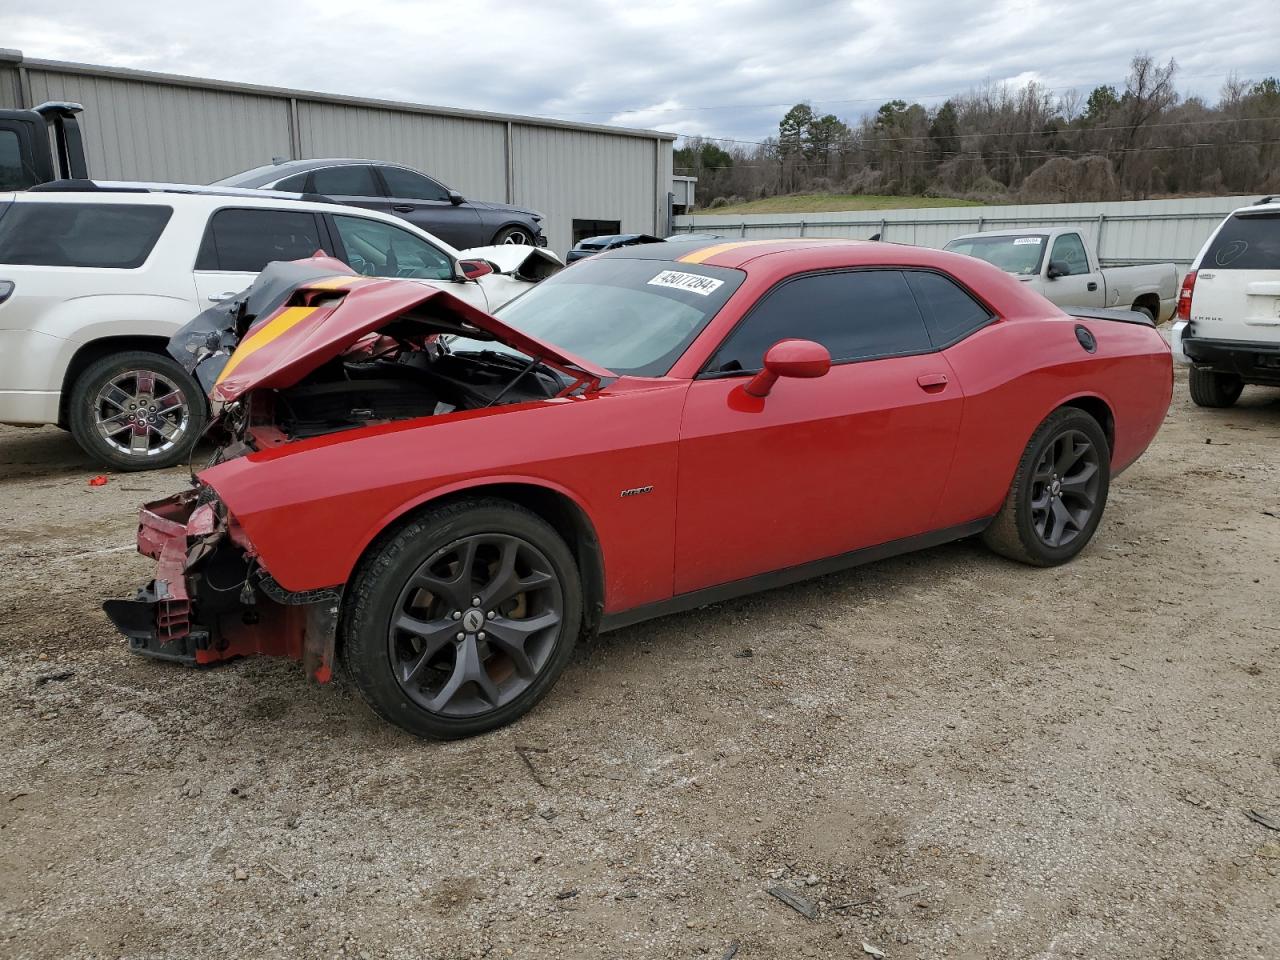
(595, 228)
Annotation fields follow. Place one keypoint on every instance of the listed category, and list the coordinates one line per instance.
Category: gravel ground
(946, 755)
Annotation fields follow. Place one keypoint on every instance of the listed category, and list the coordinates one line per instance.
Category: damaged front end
(309, 350)
(212, 599)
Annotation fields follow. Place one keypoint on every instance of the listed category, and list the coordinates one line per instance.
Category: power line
(880, 99)
(1065, 131)
(1001, 154)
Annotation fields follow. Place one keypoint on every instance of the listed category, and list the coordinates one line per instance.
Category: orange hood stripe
(285, 320)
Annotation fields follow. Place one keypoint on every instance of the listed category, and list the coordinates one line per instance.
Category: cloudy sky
(724, 68)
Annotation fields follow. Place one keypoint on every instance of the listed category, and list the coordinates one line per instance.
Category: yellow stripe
(331, 283)
(706, 253)
(277, 326)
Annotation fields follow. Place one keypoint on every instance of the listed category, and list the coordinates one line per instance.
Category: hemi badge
(636, 491)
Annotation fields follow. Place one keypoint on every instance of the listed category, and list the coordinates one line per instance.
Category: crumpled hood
(299, 315)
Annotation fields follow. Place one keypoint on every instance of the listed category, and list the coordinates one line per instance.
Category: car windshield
(632, 316)
(1019, 255)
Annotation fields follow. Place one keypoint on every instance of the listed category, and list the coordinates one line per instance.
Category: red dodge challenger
(445, 501)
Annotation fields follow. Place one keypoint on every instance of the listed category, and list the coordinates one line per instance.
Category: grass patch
(834, 203)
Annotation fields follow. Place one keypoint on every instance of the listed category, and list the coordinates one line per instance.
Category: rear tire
(463, 619)
(1151, 314)
(1058, 494)
(1210, 389)
(166, 405)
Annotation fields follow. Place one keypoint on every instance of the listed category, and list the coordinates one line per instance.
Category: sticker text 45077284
(691, 282)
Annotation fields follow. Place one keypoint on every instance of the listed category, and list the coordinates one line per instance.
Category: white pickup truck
(1062, 267)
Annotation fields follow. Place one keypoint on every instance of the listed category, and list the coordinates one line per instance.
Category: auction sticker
(692, 282)
(1021, 240)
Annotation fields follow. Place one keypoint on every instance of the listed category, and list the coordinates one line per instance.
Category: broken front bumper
(212, 600)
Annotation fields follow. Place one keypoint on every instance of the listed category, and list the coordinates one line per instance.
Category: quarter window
(114, 235)
(408, 185)
(295, 184)
(352, 181)
(1069, 250)
(245, 241)
(950, 313)
(378, 249)
(858, 315)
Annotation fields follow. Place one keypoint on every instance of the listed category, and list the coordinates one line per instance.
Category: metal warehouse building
(586, 179)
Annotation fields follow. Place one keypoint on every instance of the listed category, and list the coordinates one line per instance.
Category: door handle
(219, 297)
(403, 207)
(932, 382)
(1092, 286)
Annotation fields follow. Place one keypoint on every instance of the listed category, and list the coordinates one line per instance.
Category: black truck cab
(40, 145)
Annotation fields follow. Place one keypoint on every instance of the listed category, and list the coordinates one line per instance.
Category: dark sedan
(402, 192)
(590, 246)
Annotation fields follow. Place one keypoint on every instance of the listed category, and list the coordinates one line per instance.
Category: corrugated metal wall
(587, 176)
(143, 131)
(1129, 231)
(145, 126)
(468, 155)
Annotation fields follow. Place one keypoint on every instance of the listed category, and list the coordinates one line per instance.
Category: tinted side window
(1068, 249)
(949, 312)
(378, 249)
(114, 235)
(295, 184)
(857, 316)
(1249, 242)
(353, 181)
(412, 186)
(245, 241)
(13, 174)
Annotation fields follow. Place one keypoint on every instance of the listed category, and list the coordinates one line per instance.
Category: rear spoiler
(1110, 313)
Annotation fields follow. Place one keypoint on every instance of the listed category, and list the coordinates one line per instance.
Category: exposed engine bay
(291, 358)
(401, 380)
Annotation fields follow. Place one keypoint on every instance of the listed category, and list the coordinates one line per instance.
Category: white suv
(1228, 316)
(95, 278)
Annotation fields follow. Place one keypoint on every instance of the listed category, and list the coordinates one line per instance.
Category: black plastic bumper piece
(136, 619)
(1253, 362)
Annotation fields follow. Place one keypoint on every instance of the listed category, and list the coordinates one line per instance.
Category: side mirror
(1058, 268)
(789, 358)
(474, 269)
(456, 198)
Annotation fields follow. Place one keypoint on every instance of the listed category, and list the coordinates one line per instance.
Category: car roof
(1265, 205)
(798, 254)
(1027, 231)
(206, 198)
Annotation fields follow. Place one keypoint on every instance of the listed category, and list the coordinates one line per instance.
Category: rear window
(1246, 242)
(14, 174)
(115, 235)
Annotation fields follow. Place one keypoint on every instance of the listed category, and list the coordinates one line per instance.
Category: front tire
(136, 410)
(1058, 494)
(463, 620)
(1209, 389)
(517, 236)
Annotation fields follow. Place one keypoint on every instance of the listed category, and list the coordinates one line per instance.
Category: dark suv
(402, 192)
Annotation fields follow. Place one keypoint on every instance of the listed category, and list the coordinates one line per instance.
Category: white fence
(1124, 232)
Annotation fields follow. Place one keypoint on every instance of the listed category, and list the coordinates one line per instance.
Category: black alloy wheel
(475, 625)
(1058, 494)
(1064, 488)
